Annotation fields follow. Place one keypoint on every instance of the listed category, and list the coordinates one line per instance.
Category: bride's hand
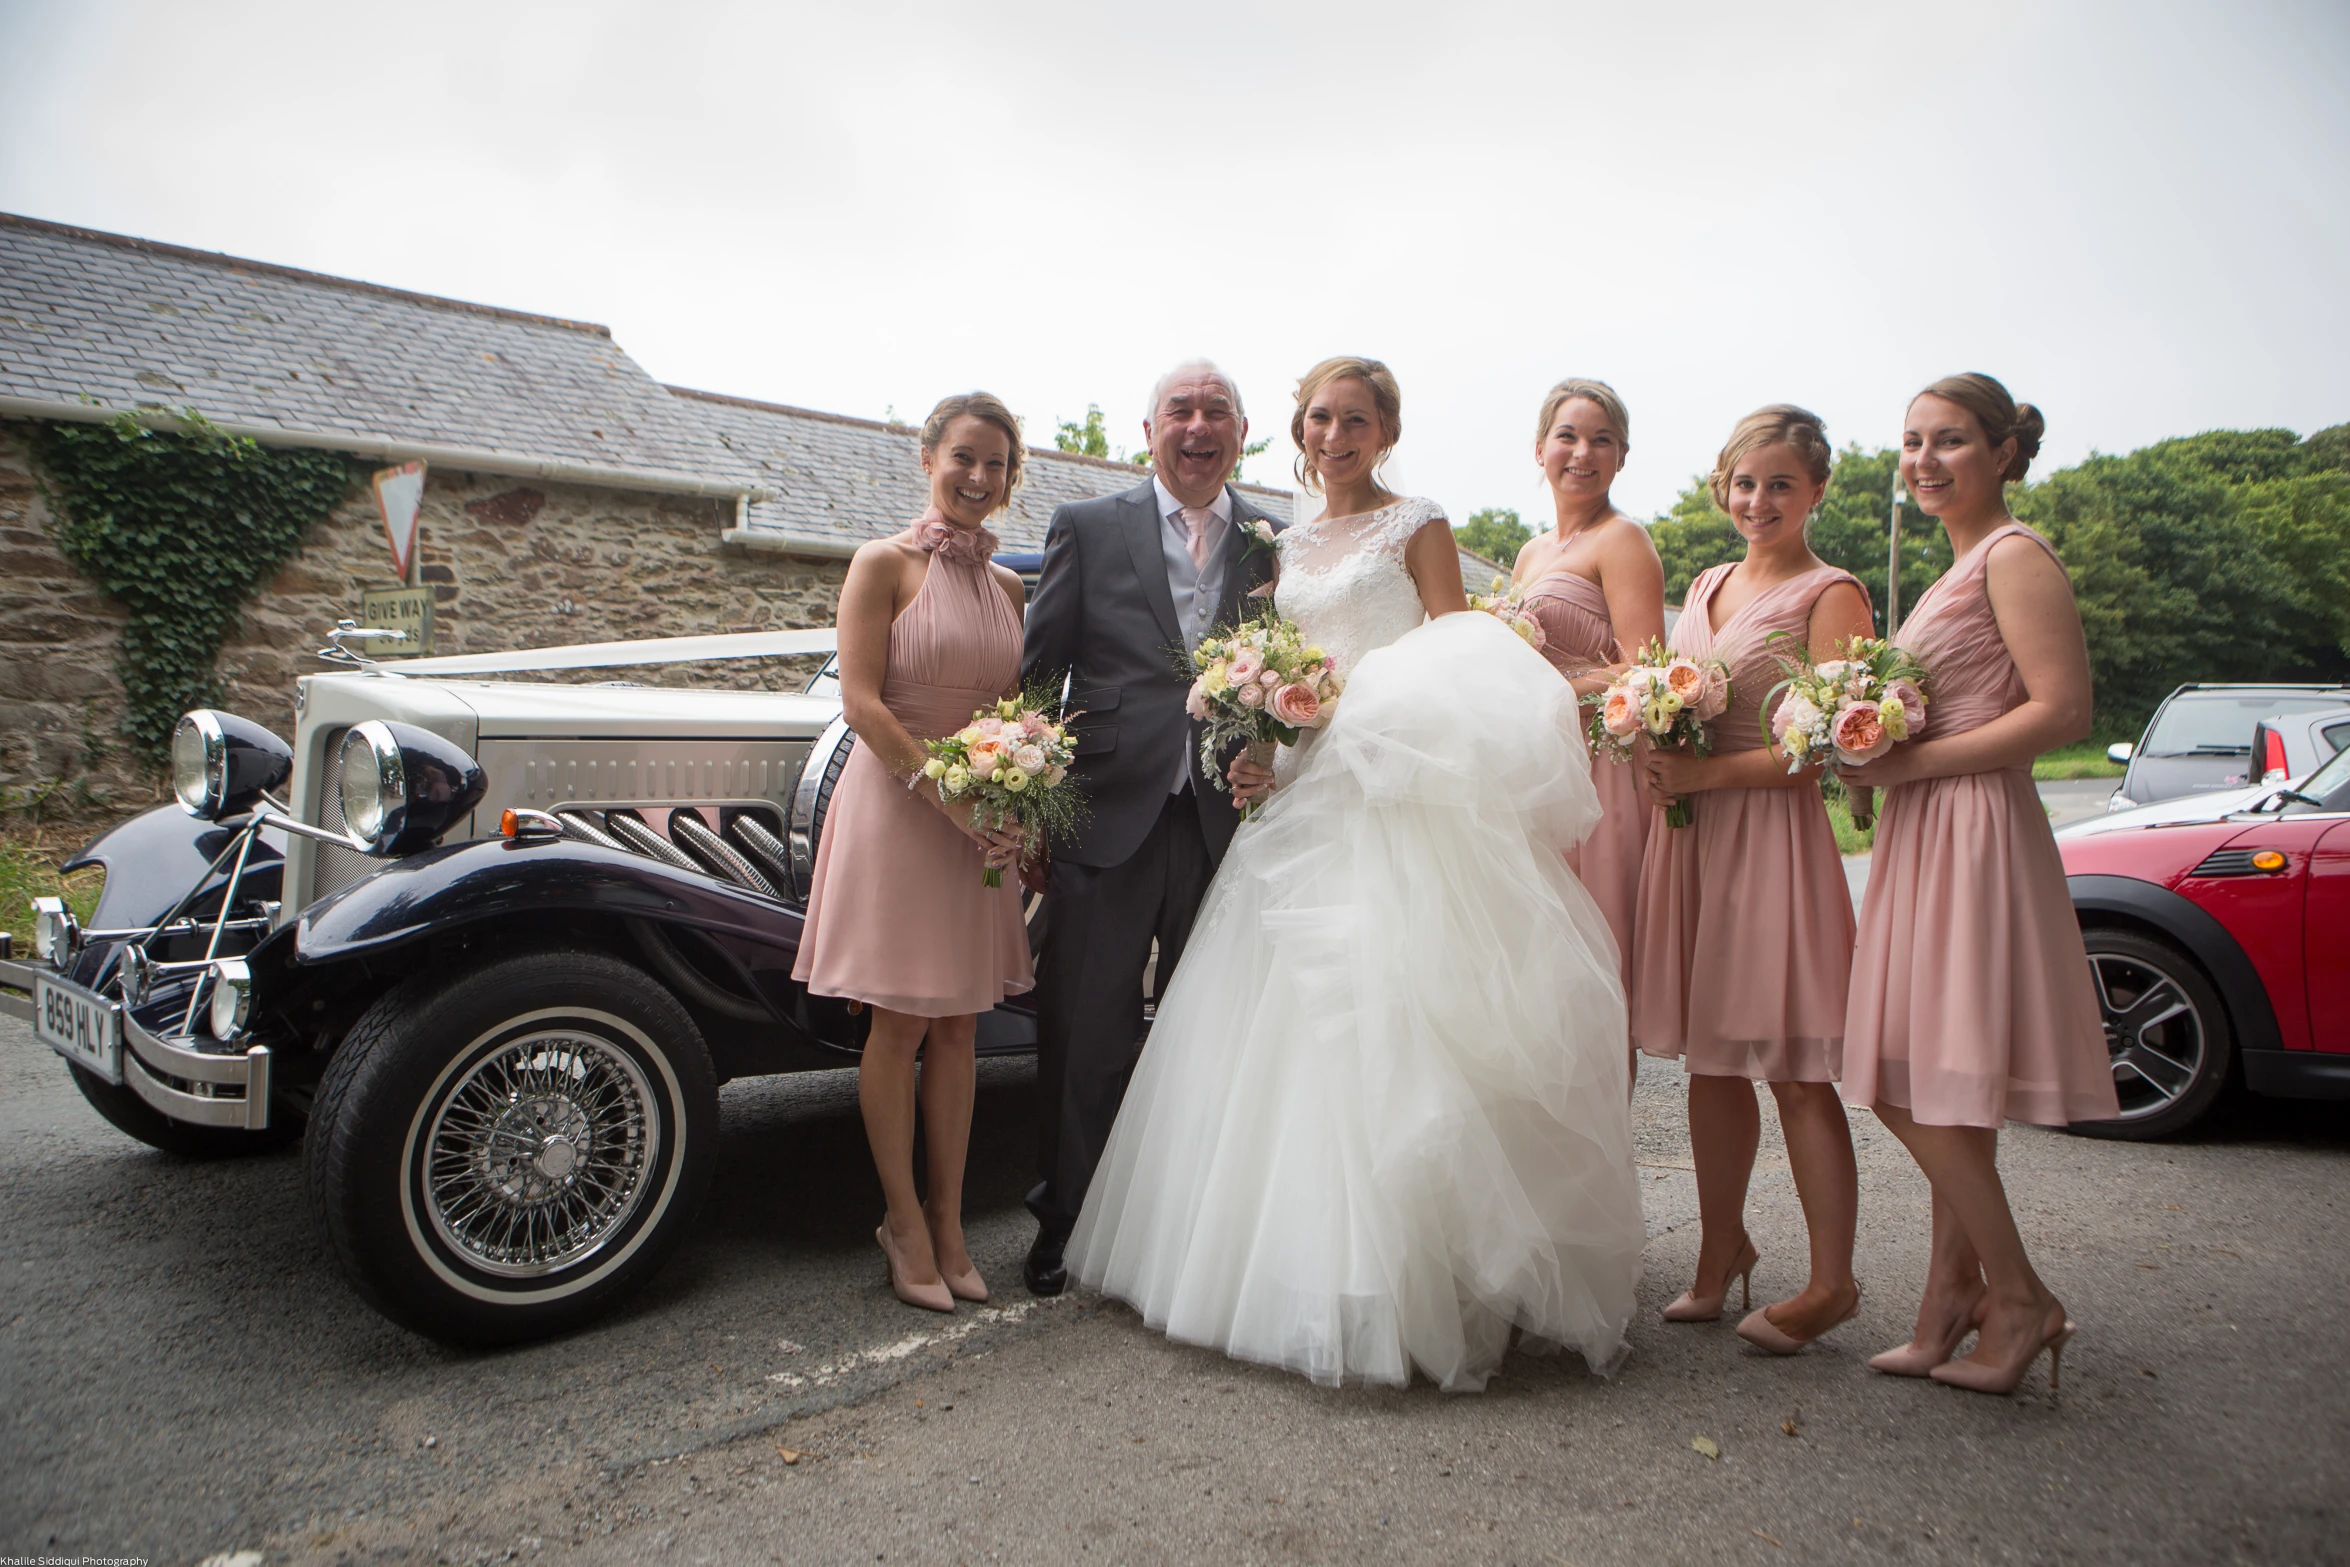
(1250, 782)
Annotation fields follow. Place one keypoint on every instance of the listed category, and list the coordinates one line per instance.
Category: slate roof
(835, 477)
(130, 322)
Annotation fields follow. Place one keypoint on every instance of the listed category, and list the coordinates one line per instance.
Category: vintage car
(2218, 929)
(488, 945)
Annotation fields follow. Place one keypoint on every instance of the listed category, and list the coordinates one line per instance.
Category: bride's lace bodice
(1343, 579)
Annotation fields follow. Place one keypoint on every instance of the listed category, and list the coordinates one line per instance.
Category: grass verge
(2085, 760)
(1849, 839)
(28, 870)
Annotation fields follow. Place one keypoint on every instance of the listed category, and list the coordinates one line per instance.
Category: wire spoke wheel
(539, 1153)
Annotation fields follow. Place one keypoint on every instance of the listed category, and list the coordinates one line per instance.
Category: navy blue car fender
(468, 884)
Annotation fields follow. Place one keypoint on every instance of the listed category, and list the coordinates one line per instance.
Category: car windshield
(2219, 723)
(2329, 787)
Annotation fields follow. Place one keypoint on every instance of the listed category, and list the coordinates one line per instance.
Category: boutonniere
(1259, 536)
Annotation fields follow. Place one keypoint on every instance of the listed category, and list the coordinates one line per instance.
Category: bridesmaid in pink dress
(1971, 997)
(1597, 587)
(897, 916)
(1744, 946)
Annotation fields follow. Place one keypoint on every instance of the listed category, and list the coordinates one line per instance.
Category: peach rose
(1619, 714)
(1686, 680)
(1859, 733)
(1244, 666)
(1251, 695)
(1714, 698)
(984, 757)
(1296, 705)
(1196, 704)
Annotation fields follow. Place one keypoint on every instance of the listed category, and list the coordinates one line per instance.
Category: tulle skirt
(1381, 1120)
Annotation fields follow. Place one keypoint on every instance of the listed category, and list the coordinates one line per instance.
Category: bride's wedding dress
(1381, 1118)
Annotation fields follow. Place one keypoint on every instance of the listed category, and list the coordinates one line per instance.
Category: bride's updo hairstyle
(1780, 424)
(1591, 391)
(1386, 396)
(979, 405)
(2000, 415)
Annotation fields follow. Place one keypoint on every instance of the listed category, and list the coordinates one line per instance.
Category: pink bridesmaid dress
(1971, 998)
(1743, 949)
(897, 916)
(1577, 636)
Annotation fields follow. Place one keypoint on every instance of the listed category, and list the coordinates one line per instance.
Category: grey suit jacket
(1103, 614)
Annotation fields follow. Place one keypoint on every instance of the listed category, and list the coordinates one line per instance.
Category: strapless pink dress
(1744, 946)
(1971, 997)
(897, 916)
(1578, 635)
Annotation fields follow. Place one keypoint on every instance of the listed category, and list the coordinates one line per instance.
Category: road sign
(397, 609)
(398, 493)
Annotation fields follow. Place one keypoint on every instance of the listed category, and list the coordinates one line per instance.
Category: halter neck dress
(897, 916)
(1578, 635)
(1971, 997)
(1744, 945)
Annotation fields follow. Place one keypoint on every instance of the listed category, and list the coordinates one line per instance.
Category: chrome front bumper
(199, 1087)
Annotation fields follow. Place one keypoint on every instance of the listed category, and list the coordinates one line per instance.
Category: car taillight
(2272, 753)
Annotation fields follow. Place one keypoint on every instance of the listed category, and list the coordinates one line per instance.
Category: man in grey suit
(1130, 583)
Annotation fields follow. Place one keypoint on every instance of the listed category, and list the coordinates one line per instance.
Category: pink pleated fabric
(897, 916)
(1578, 636)
(1971, 998)
(1743, 949)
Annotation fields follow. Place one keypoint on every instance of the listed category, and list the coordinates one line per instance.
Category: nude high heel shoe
(930, 1297)
(1693, 1307)
(966, 1285)
(1977, 1378)
(1759, 1330)
(1908, 1360)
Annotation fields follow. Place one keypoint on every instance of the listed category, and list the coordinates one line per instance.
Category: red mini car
(2218, 929)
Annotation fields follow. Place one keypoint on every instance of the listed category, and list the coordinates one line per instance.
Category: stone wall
(512, 563)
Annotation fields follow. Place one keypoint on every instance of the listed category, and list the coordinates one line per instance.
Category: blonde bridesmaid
(1597, 587)
(1744, 943)
(898, 917)
(1971, 998)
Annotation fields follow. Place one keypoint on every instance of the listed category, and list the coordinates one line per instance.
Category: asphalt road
(182, 1374)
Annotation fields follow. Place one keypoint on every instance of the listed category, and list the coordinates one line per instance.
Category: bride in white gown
(1381, 1119)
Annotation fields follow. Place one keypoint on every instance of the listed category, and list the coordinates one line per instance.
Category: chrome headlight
(403, 787)
(232, 998)
(221, 764)
(135, 972)
(55, 932)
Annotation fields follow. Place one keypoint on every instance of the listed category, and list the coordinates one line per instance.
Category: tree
(1085, 440)
(1495, 533)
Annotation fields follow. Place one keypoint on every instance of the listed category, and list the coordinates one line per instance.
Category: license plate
(79, 1026)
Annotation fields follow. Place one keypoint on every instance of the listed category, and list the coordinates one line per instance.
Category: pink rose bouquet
(1508, 606)
(1667, 697)
(1011, 764)
(1852, 708)
(1260, 683)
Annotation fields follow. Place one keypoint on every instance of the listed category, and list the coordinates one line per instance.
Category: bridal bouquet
(1011, 763)
(1668, 698)
(1506, 605)
(1260, 683)
(1852, 708)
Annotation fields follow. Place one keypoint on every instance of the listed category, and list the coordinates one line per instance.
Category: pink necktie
(1197, 518)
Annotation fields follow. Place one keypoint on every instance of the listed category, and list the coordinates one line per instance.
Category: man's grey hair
(1192, 370)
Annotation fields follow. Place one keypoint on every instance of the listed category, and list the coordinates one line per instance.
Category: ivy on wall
(179, 527)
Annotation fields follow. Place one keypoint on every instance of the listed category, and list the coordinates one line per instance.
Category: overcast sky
(2137, 214)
